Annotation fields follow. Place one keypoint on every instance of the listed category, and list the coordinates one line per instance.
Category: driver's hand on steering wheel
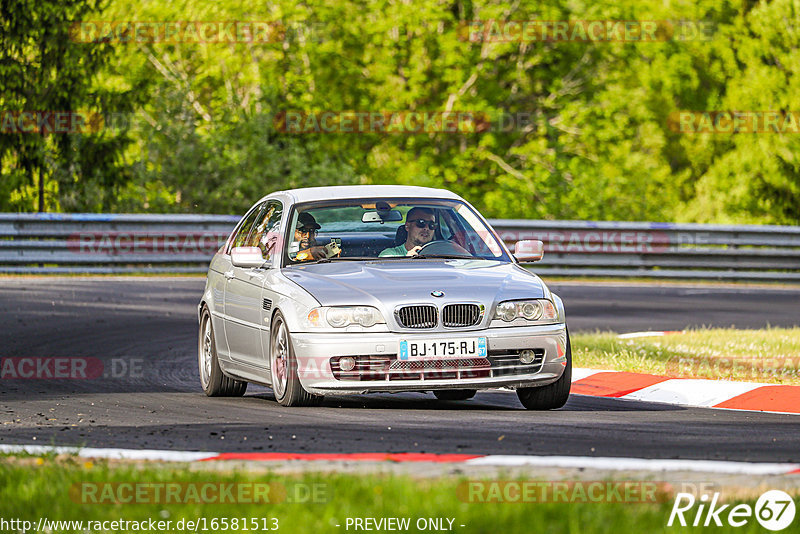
(414, 251)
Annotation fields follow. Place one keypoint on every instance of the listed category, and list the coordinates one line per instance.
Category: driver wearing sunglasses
(304, 245)
(421, 226)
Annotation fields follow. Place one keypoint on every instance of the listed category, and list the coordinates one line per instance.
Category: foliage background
(196, 132)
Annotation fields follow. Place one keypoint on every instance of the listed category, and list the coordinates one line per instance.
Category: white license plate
(430, 349)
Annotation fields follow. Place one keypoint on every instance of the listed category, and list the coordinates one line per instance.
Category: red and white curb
(700, 393)
(750, 396)
(564, 462)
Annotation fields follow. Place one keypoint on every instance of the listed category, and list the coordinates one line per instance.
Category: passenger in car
(420, 226)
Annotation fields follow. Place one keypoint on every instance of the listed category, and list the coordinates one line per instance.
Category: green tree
(755, 177)
(43, 70)
(597, 144)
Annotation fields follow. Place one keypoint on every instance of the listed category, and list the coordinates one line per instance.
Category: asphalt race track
(144, 330)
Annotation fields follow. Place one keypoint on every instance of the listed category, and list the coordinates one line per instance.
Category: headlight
(366, 316)
(338, 317)
(506, 311)
(531, 310)
(342, 316)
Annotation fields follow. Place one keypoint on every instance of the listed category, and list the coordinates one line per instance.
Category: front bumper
(315, 353)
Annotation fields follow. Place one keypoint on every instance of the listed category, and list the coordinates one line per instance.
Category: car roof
(310, 194)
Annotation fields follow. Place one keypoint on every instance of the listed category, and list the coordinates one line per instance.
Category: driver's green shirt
(399, 250)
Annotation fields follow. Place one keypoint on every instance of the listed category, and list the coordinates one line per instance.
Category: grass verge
(56, 489)
(770, 355)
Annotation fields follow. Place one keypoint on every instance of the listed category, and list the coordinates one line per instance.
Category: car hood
(385, 284)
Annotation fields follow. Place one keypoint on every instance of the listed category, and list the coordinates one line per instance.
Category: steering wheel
(444, 247)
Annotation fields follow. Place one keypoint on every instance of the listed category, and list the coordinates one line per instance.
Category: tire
(283, 366)
(213, 381)
(553, 395)
(455, 394)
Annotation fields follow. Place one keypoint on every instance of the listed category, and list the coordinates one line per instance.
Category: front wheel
(214, 382)
(283, 366)
(553, 395)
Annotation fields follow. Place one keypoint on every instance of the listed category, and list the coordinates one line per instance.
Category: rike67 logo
(774, 510)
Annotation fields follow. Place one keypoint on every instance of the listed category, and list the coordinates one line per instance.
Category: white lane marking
(633, 335)
(148, 454)
(608, 463)
(692, 392)
(114, 454)
(637, 464)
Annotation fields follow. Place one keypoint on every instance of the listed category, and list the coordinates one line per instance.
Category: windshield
(388, 229)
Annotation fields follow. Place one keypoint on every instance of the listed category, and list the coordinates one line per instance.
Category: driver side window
(244, 230)
(266, 229)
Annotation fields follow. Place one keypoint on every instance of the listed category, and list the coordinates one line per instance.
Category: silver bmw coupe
(359, 289)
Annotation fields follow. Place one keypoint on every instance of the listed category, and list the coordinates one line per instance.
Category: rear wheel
(214, 382)
(454, 394)
(553, 395)
(283, 366)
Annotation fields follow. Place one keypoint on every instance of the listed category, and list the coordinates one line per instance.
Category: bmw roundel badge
(437, 293)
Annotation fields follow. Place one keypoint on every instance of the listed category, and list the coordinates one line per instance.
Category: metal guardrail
(661, 250)
(108, 243)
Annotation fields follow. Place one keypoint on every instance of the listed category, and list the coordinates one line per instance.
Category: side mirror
(529, 251)
(247, 257)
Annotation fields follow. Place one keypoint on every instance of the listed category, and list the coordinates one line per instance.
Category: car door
(220, 264)
(242, 294)
(244, 304)
(223, 269)
(269, 241)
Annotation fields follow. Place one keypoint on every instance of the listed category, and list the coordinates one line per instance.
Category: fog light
(527, 356)
(348, 363)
